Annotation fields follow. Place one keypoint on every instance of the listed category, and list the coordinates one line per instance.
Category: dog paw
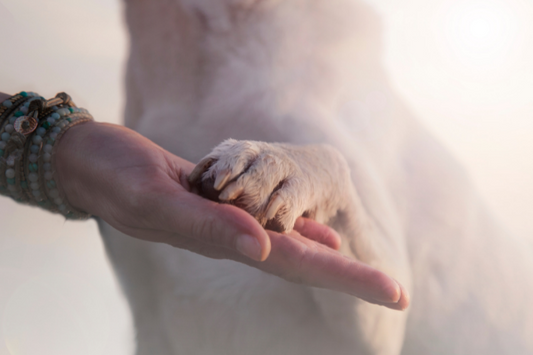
(263, 179)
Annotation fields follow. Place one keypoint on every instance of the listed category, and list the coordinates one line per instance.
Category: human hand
(142, 190)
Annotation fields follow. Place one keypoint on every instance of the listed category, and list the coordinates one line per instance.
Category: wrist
(71, 162)
(31, 128)
(87, 159)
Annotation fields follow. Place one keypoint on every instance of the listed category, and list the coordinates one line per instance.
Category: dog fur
(306, 77)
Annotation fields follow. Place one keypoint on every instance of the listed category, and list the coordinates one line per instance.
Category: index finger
(301, 260)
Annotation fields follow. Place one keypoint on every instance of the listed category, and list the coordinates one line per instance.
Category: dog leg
(217, 16)
(273, 184)
(277, 183)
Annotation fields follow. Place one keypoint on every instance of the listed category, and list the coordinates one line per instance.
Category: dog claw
(222, 178)
(274, 207)
(199, 169)
(231, 192)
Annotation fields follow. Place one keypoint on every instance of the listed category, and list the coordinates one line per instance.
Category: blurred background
(464, 66)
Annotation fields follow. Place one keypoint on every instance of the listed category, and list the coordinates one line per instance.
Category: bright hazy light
(481, 33)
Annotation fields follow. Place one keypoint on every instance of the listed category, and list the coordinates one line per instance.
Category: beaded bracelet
(46, 180)
(34, 126)
(9, 111)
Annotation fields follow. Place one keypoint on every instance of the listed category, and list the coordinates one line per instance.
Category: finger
(300, 260)
(183, 242)
(286, 261)
(318, 232)
(380, 296)
(186, 214)
(404, 300)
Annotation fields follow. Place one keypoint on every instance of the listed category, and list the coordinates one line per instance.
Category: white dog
(307, 75)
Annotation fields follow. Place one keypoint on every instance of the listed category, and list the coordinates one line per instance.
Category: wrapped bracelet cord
(29, 128)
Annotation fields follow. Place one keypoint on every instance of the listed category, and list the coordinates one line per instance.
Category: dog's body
(306, 72)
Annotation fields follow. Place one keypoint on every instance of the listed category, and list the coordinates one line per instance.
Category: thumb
(192, 216)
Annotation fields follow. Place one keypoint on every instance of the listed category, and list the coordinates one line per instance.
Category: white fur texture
(308, 72)
(279, 182)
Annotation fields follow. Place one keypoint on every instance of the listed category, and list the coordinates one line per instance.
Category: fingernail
(398, 292)
(249, 246)
(404, 298)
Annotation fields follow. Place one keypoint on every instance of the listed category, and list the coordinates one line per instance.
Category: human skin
(140, 189)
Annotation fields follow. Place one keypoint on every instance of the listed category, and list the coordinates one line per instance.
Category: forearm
(4, 96)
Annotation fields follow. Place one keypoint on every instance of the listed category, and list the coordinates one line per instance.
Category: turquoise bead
(35, 166)
(37, 140)
(40, 131)
(24, 185)
(1, 152)
(63, 111)
(23, 94)
(18, 114)
(71, 109)
(11, 181)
